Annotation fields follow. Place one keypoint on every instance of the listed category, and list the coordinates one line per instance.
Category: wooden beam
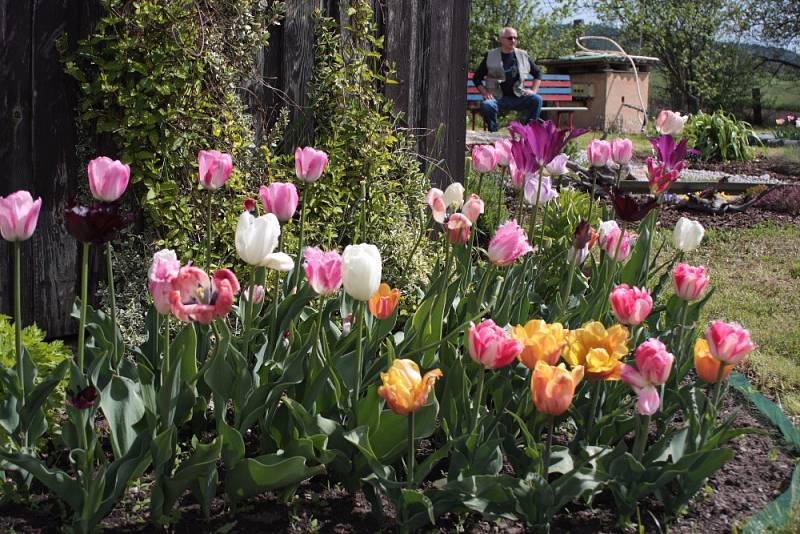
(680, 188)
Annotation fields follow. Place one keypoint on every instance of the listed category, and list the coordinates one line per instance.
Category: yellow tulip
(541, 342)
(403, 389)
(598, 349)
(553, 387)
(706, 365)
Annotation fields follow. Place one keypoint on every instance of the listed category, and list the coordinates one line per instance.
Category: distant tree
(543, 26)
(778, 21)
(696, 43)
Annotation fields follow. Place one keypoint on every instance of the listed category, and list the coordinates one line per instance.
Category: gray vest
(496, 75)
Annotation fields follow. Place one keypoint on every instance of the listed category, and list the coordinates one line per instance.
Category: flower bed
(540, 372)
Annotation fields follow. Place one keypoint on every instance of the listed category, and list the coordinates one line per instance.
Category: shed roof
(599, 60)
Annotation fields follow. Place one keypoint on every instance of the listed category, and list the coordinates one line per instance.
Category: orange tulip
(706, 365)
(541, 341)
(553, 387)
(403, 389)
(383, 303)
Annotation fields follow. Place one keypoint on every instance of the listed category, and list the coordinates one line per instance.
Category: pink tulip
(458, 228)
(670, 123)
(490, 346)
(728, 342)
(473, 208)
(631, 305)
(18, 216)
(508, 244)
(323, 270)
(502, 147)
(309, 163)
(653, 366)
(108, 178)
(621, 151)
(195, 297)
(249, 205)
(598, 152)
(614, 249)
(214, 167)
(163, 270)
(258, 294)
(689, 282)
(279, 199)
(484, 158)
(517, 175)
(435, 199)
(557, 166)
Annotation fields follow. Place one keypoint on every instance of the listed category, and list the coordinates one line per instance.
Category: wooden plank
(397, 43)
(298, 61)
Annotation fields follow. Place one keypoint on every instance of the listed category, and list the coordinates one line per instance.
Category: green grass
(781, 94)
(755, 272)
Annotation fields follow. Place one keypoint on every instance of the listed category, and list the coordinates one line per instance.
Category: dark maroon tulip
(83, 399)
(95, 224)
(582, 236)
(631, 209)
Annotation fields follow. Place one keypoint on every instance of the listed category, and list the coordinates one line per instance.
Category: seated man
(505, 69)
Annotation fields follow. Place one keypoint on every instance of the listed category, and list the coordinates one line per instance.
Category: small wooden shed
(607, 85)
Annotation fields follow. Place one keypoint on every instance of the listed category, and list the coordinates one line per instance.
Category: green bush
(45, 355)
(161, 85)
(720, 137)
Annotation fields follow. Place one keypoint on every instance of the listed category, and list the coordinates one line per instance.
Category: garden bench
(555, 88)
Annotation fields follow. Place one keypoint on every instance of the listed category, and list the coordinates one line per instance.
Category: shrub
(720, 137)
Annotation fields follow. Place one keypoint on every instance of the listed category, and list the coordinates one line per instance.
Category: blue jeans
(531, 105)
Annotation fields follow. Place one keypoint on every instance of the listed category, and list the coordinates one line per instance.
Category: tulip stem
(479, 399)
(301, 236)
(318, 332)
(84, 296)
(718, 387)
(166, 344)
(595, 392)
(591, 196)
(411, 451)
(248, 312)
(535, 206)
(641, 436)
(277, 292)
(548, 448)
(566, 289)
(209, 231)
(359, 357)
(501, 191)
(18, 322)
(112, 301)
(518, 212)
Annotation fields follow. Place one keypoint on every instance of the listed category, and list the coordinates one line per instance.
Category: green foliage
(159, 81)
(46, 356)
(352, 121)
(540, 31)
(704, 67)
(720, 137)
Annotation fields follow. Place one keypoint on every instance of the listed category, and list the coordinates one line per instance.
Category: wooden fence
(426, 40)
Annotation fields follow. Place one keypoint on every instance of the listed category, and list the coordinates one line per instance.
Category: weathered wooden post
(37, 150)
(758, 118)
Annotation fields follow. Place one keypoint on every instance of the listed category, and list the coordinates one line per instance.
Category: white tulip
(454, 196)
(361, 271)
(256, 239)
(687, 234)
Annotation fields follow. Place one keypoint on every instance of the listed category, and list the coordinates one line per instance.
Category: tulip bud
(502, 148)
(728, 342)
(309, 163)
(670, 122)
(361, 270)
(163, 269)
(552, 388)
(257, 292)
(256, 239)
(598, 152)
(214, 168)
(484, 158)
(279, 198)
(631, 305)
(18, 216)
(557, 166)
(688, 234)
(617, 244)
(689, 282)
(383, 303)
(621, 151)
(108, 178)
(517, 175)
(458, 228)
(435, 199)
(490, 346)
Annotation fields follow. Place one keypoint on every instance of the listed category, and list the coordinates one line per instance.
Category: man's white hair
(504, 30)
